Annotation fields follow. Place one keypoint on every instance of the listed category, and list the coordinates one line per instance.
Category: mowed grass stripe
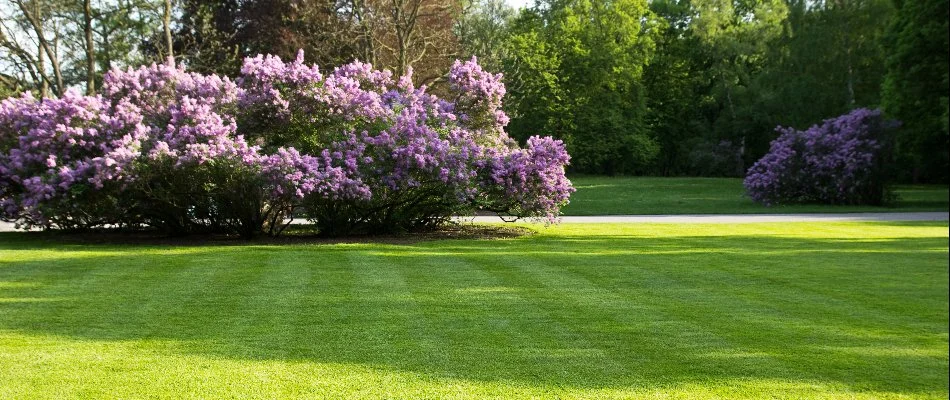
(627, 195)
(483, 320)
(843, 310)
(404, 318)
(478, 353)
(648, 316)
(725, 299)
(677, 337)
(467, 325)
(768, 323)
(646, 340)
(616, 319)
(769, 304)
(564, 351)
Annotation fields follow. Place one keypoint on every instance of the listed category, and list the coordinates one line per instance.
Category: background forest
(635, 87)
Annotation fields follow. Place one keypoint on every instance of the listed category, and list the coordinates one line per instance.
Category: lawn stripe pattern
(796, 310)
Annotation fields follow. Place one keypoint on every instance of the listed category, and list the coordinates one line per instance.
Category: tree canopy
(658, 87)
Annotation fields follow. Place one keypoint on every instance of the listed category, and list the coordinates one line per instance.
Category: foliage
(840, 161)
(833, 50)
(208, 35)
(120, 33)
(917, 86)
(538, 100)
(587, 58)
(482, 28)
(708, 158)
(678, 90)
(644, 87)
(736, 36)
(215, 35)
(729, 71)
(191, 153)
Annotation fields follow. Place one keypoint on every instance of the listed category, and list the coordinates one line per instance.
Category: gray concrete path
(711, 219)
(741, 218)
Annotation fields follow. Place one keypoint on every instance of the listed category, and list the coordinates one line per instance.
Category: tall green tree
(916, 88)
(208, 36)
(122, 31)
(679, 97)
(737, 35)
(828, 61)
(586, 58)
(537, 100)
(50, 46)
(481, 28)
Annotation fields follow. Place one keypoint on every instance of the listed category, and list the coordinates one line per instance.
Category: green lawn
(804, 310)
(600, 195)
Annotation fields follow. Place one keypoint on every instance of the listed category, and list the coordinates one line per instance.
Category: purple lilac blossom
(835, 162)
(369, 140)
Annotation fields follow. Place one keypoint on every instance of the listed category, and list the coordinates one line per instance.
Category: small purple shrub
(836, 162)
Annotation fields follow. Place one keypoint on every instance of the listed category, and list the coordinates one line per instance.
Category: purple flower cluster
(188, 152)
(154, 88)
(522, 180)
(479, 98)
(54, 147)
(836, 162)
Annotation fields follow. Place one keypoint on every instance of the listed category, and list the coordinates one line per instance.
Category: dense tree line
(661, 87)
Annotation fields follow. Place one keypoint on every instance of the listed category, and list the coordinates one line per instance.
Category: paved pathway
(743, 218)
(714, 219)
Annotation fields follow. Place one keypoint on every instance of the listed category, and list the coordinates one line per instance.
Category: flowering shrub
(61, 159)
(836, 162)
(353, 149)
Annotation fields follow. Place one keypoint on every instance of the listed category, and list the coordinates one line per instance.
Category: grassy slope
(843, 310)
(599, 195)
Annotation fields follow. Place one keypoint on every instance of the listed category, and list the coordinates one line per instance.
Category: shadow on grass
(567, 311)
(294, 235)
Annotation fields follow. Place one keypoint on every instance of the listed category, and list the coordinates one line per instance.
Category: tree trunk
(36, 22)
(740, 155)
(166, 25)
(54, 60)
(367, 42)
(848, 44)
(41, 66)
(401, 56)
(107, 49)
(90, 49)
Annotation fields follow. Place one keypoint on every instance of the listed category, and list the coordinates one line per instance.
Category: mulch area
(294, 234)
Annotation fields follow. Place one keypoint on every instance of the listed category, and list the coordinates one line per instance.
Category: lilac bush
(353, 149)
(193, 172)
(521, 180)
(61, 158)
(839, 161)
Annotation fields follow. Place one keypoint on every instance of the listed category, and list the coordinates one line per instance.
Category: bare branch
(36, 23)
